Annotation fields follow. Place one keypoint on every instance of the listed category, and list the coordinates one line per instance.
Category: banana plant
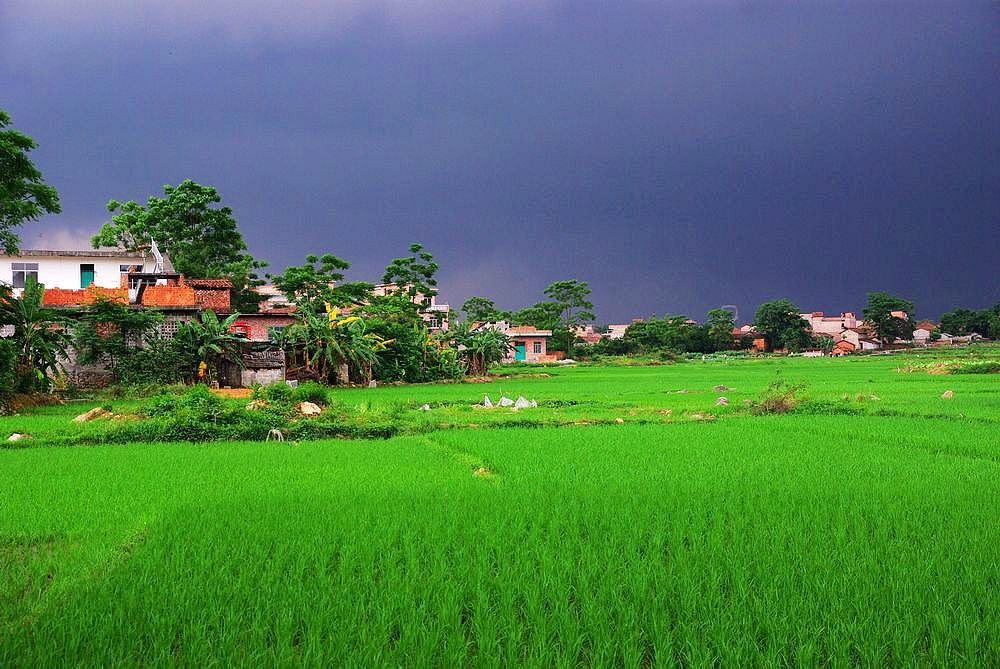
(211, 340)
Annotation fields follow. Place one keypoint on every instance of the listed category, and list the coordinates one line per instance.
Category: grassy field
(859, 530)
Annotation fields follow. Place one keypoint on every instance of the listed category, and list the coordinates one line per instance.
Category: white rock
(309, 409)
(425, 407)
(372, 384)
(522, 403)
(17, 437)
(948, 394)
(722, 401)
(486, 402)
(505, 402)
(534, 404)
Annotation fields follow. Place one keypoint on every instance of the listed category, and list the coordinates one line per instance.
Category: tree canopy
(24, 196)
(888, 326)
(781, 325)
(413, 275)
(482, 309)
(320, 281)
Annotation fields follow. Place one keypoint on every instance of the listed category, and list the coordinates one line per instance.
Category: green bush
(985, 367)
(162, 362)
(310, 391)
(278, 393)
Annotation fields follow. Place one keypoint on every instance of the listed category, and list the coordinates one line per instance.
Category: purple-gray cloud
(677, 155)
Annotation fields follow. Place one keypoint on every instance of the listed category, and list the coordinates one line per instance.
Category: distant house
(529, 343)
(617, 331)
(586, 334)
(858, 338)
(829, 326)
(843, 347)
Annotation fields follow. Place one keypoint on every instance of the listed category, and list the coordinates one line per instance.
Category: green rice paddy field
(861, 529)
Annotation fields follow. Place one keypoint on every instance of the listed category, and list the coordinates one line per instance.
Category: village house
(617, 330)
(529, 343)
(103, 268)
(586, 334)
(829, 326)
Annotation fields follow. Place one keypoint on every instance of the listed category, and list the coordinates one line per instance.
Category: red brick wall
(69, 297)
(258, 325)
(168, 296)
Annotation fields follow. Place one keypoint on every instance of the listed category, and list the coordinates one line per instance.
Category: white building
(70, 269)
(617, 331)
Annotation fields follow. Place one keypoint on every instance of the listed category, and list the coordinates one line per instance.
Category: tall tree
(889, 326)
(23, 195)
(719, 327)
(482, 309)
(320, 281)
(413, 276)
(571, 298)
(201, 238)
(781, 325)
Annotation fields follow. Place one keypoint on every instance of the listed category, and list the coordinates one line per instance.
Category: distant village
(147, 280)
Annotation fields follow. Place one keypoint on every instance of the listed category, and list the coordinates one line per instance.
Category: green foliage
(24, 196)
(482, 349)
(108, 330)
(202, 239)
(309, 391)
(571, 300)
(670, 333)
(961, 322)
(824, 343)
(161, 361)
(779, 397)
(279, 393)
(888, 328)
(979, 367)
(483, 309)
(210, 340)
(413, 276)
(719, 329)
(39, 337)
(414, 356)
(320, 281)
(8, 367)
(782, 327)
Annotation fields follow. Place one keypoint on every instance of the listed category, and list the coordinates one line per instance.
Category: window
(275, 331)
(241, 330)
(22, 270)
(434, 322)
(536, 347)
(86, 275)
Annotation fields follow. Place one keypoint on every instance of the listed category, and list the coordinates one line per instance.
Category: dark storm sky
(676, 155)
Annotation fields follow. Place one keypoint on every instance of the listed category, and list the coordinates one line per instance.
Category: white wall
(64, 271)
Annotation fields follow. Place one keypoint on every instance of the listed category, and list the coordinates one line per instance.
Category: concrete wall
(264, 377)
(64, 272)
(529, 348)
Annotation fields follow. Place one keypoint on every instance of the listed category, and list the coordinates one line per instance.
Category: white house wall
(64, 271)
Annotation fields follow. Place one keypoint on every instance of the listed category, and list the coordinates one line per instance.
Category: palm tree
(38, 334)
(211, 340)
